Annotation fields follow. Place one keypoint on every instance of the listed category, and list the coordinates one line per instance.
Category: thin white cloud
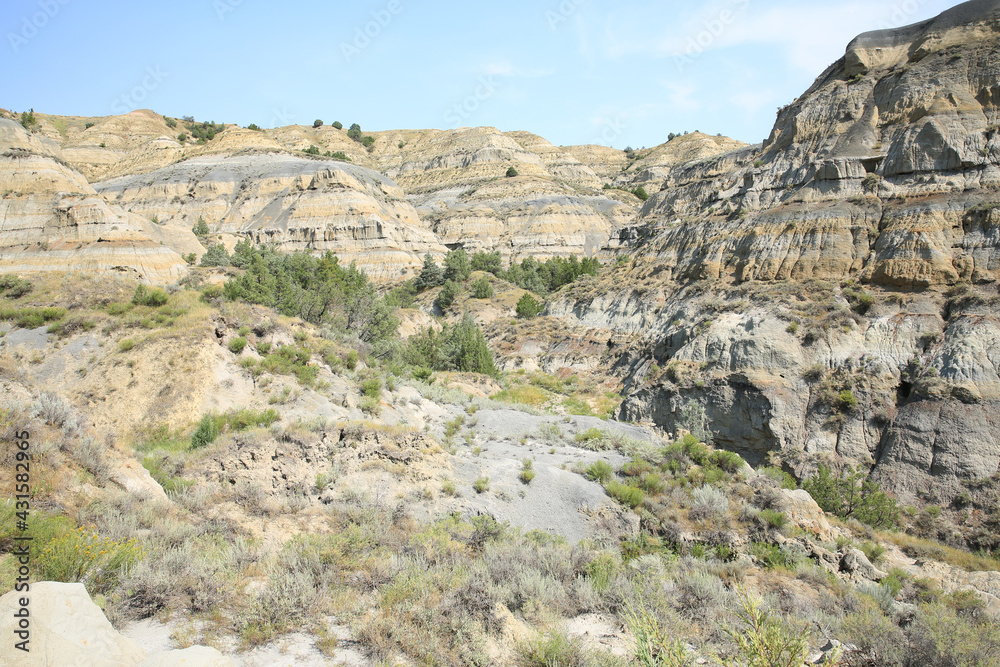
(681, 95)
(811, 35)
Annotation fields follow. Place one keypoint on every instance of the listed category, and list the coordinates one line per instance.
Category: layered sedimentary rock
(652, 167)
(899, 151)
(51, 219)
(295, 202)
(458, 181)
(833, 291)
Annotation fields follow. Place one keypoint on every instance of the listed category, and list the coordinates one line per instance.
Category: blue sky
(574, 71)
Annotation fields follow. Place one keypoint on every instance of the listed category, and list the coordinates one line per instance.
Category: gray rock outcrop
(853, 255)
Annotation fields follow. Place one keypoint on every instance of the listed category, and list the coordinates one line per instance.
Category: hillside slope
(834, 291)
(51, 219)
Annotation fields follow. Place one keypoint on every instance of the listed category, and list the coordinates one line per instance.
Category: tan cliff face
(296, 202)
(453, 183)
(857, 250)
(652, 167)
(871, 174)
(51, 219)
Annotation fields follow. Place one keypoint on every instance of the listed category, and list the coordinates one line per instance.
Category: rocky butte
(856, 250)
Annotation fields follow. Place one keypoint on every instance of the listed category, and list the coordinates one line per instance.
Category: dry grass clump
(574, 394)
(918, 547)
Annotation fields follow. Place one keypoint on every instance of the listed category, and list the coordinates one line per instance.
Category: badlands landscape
(321, 395)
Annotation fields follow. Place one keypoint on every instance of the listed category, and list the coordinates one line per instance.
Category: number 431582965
(22, 470)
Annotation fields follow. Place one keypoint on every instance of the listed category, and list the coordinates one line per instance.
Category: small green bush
(601, 571)
(211, 293)
(764, 639)
(32, 318)
(289, 360)
(14, 287)
(730, 462)
(153, 298)
(126, 345)
(590, 435)
(846, 401)
(237, 345)
(552, 650)
(84, 555)
(528, 307)
(772, 556)
(773, 518)
(482, 485)
(871, 183)
(206, 433)
(372, 388)
(780, 476)
(652, 484)
(599, 471)
(697, 451)
(630, 496)
(637, 468)
(851, 495)
(874, 552)
(371, 405)
(482, 288)
(212, 425)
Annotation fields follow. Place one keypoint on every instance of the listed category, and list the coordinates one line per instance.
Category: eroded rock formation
(834, 290)
(51, 219)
